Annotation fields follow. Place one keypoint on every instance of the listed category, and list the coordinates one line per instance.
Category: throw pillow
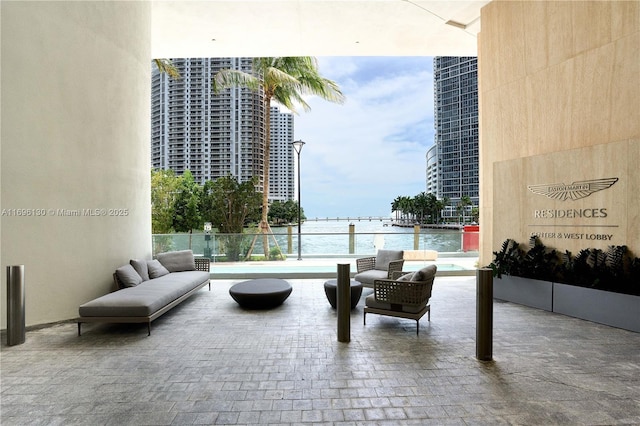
(128, 276)
(406, 277)
(156, 269)
(177, 261)
(141, 268)
(385, 256)
(425, 273)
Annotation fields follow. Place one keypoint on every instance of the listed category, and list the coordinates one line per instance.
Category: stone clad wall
(559, 86)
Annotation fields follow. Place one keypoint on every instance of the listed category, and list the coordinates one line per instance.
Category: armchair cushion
(423, 274)
(384, 257)
(371, 302)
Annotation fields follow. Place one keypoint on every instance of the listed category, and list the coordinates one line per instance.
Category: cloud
(361, 155)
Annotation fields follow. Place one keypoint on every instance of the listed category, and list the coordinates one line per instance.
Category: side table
(331, 287)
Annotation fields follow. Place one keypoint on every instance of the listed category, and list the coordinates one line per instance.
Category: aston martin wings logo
(574, 191)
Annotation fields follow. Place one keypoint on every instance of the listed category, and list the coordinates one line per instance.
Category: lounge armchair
(405, 296)
(381, 266)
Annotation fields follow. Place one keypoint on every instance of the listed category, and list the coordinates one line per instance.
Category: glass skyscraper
(456, 124)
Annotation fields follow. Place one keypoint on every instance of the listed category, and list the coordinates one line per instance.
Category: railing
(234, 247)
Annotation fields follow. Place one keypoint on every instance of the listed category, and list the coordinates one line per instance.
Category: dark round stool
(331, 287)
(263, 293)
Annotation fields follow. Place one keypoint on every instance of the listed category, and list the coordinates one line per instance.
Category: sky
(359, 156)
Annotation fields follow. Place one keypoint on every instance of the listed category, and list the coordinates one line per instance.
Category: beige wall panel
(507, 201)
(75, 148)
(625, 19)
(591, 97)
(625, 95)
(633, 197)
(604, 213)
(591, 24)
(536, 43)
(582, 110)
(512, 42)
(549, 103)
(558, 24)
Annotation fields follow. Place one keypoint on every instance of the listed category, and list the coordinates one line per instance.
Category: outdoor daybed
(148, 289)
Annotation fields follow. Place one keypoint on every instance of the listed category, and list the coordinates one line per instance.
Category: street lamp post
(207, 238)
(297, 146)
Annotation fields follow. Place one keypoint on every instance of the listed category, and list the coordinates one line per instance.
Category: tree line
(426, 208)
(180, 204)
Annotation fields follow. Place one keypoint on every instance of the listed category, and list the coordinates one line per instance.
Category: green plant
(613, 269)
(539, 262)
(275, 253)
(506, 260)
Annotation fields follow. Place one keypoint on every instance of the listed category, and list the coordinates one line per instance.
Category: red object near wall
(471, 238)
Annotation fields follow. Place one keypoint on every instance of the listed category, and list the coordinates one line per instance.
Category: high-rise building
(281, 156)
(212, 135)
(455, 82)
(432, 170)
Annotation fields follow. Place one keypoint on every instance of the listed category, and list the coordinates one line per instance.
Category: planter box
(524, 291)
(604, 307)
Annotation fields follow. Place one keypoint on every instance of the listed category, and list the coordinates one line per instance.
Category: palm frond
(227, 78)
(166, 66)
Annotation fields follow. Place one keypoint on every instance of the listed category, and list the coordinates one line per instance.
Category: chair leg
(365, 318)
(417, 327)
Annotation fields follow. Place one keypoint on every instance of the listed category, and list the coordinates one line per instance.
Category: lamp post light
(297, 146)
(207, 238)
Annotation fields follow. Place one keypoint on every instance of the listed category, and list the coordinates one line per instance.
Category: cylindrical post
(416, 237)
(484, 315)
(352, 238)
(289, 239)
(15, 305)
(343, 302)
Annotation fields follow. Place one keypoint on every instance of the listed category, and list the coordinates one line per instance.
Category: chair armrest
(203, 264)
(394, 266)
(403, 292)
(365, 263)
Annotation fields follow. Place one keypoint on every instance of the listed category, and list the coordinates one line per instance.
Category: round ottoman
(331, 287)
(263, 293)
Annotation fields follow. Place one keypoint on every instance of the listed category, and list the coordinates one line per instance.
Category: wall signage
(574, 191)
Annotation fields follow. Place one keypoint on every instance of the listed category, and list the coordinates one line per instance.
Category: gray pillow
(385, 256)
(177, 261)
(128, 276)
(425, 273)
(141, 268)
(156, 269)
(406, 277)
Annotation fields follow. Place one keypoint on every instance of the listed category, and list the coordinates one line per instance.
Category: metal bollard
(343, 303)
(352, 239)
(15, 305)
(484, 315)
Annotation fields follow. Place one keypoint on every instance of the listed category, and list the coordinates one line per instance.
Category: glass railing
(234, 247)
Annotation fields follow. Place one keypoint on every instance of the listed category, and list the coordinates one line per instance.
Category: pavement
(208, 361)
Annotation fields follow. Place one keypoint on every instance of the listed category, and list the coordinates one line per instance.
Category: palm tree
(285, 80)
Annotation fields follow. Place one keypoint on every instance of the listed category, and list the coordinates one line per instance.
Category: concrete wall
(559, 103)
(75, 148)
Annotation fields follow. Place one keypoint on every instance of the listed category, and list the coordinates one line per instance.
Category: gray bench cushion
(145, 298)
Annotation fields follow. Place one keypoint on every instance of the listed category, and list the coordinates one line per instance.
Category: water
(332, 237)
(325, 238)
